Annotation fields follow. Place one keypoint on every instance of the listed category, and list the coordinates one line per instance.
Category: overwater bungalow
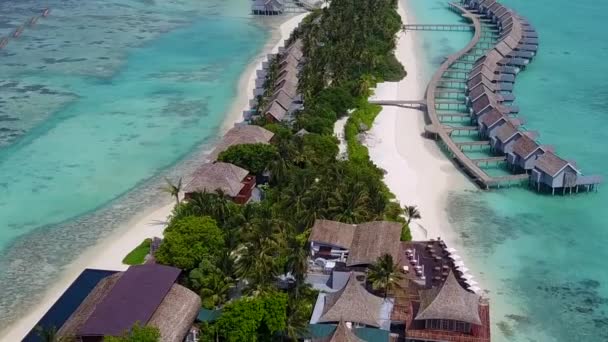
(525, 153)
(267, 7)
(490, 123)
(504, 138)
(242, 134)
(356, 245)
(234, 181)
(553, 173)
(487, 102)
(145, 294)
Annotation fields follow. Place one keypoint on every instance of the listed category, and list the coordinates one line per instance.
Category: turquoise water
(542, 258)
(97, 103)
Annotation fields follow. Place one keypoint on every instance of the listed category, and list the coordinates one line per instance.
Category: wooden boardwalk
(437, 27)
(460, 60)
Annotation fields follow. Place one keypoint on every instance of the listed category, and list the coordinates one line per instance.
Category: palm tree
(297, 320)
(173, 189)
(47, 334)
(411, 213)
(384, 274)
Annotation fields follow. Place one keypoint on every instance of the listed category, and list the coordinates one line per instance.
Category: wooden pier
(438, 27)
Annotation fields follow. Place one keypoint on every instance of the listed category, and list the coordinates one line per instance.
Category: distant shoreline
(109, 252)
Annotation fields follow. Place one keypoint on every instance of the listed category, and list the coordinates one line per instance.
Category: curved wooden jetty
(472, 91)
(31, 22)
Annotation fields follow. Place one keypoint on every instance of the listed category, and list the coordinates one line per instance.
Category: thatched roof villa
(356, 245)
(242, 134)
(234, 181)
(147, 294)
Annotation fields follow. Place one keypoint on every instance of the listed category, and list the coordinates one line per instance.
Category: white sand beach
(417, 172)
(109, 252)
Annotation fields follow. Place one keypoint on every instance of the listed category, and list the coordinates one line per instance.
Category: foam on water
(542, 258)
(96, 103)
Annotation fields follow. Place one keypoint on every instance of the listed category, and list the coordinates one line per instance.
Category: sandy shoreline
(109, 252)
(417, 172)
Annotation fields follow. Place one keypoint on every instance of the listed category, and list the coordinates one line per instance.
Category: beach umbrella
(451, 250)
(455, 257)
(459, 263)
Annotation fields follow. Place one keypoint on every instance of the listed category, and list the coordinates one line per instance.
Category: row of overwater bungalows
(283, 88)
(490, 99)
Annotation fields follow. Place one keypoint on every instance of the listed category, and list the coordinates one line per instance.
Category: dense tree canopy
(254, 158)
(188, 241)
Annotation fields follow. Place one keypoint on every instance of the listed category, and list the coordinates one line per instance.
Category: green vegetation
(384, 274)
(138, 255)
(254, 158)
(137, 334)
(220, 244)
(360, 121)
(173, 189)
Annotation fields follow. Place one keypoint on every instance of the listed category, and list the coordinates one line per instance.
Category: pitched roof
(506, 131)
(352, 304)
(282, 98)
(551, 164)
(133, 298)
(276, 110)
(450, 302)
(175, 315)
(491, 117)
(366, 242)
(525, 146)
(481, 103)
(372, 240)
(243, 134)
(333, 233)
(212, 176)
(341, 334)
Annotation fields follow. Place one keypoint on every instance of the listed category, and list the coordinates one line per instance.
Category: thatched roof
(333, 233)
(213, 176)
(72, 326)
(176, 313)
(243, 134)
(173, 315)
(524, 147)
(365, 242)
(372, 240)
(551, 164)
(276, 111)
(288, 87)
(352, 304)
(283, 99)
(341, 334)
(286, 76)
(449, 302)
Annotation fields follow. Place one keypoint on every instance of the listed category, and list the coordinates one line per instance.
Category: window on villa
(463, 327)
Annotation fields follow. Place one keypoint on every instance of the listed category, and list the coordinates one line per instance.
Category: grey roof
(289, 87)
(481, 103)
(449, 302)
(525, 146)
(478, 91)
(287, 75)
(352, 304)
(276, 111)
(133, 298)
(282, 98)
(551, 164)
(242, 134)
(212, 176)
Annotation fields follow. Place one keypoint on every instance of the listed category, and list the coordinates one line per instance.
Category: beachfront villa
(242, 134)
(353, 245)
(234, 181)
(147, 294)
(553, 172)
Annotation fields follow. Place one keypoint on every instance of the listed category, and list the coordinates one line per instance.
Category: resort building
(353, 245)
(359, 311)
(525, 153)
(242, 134)
(554, 172)
(437, 300)
(144, 294)
(505, 137)
(234, 181)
